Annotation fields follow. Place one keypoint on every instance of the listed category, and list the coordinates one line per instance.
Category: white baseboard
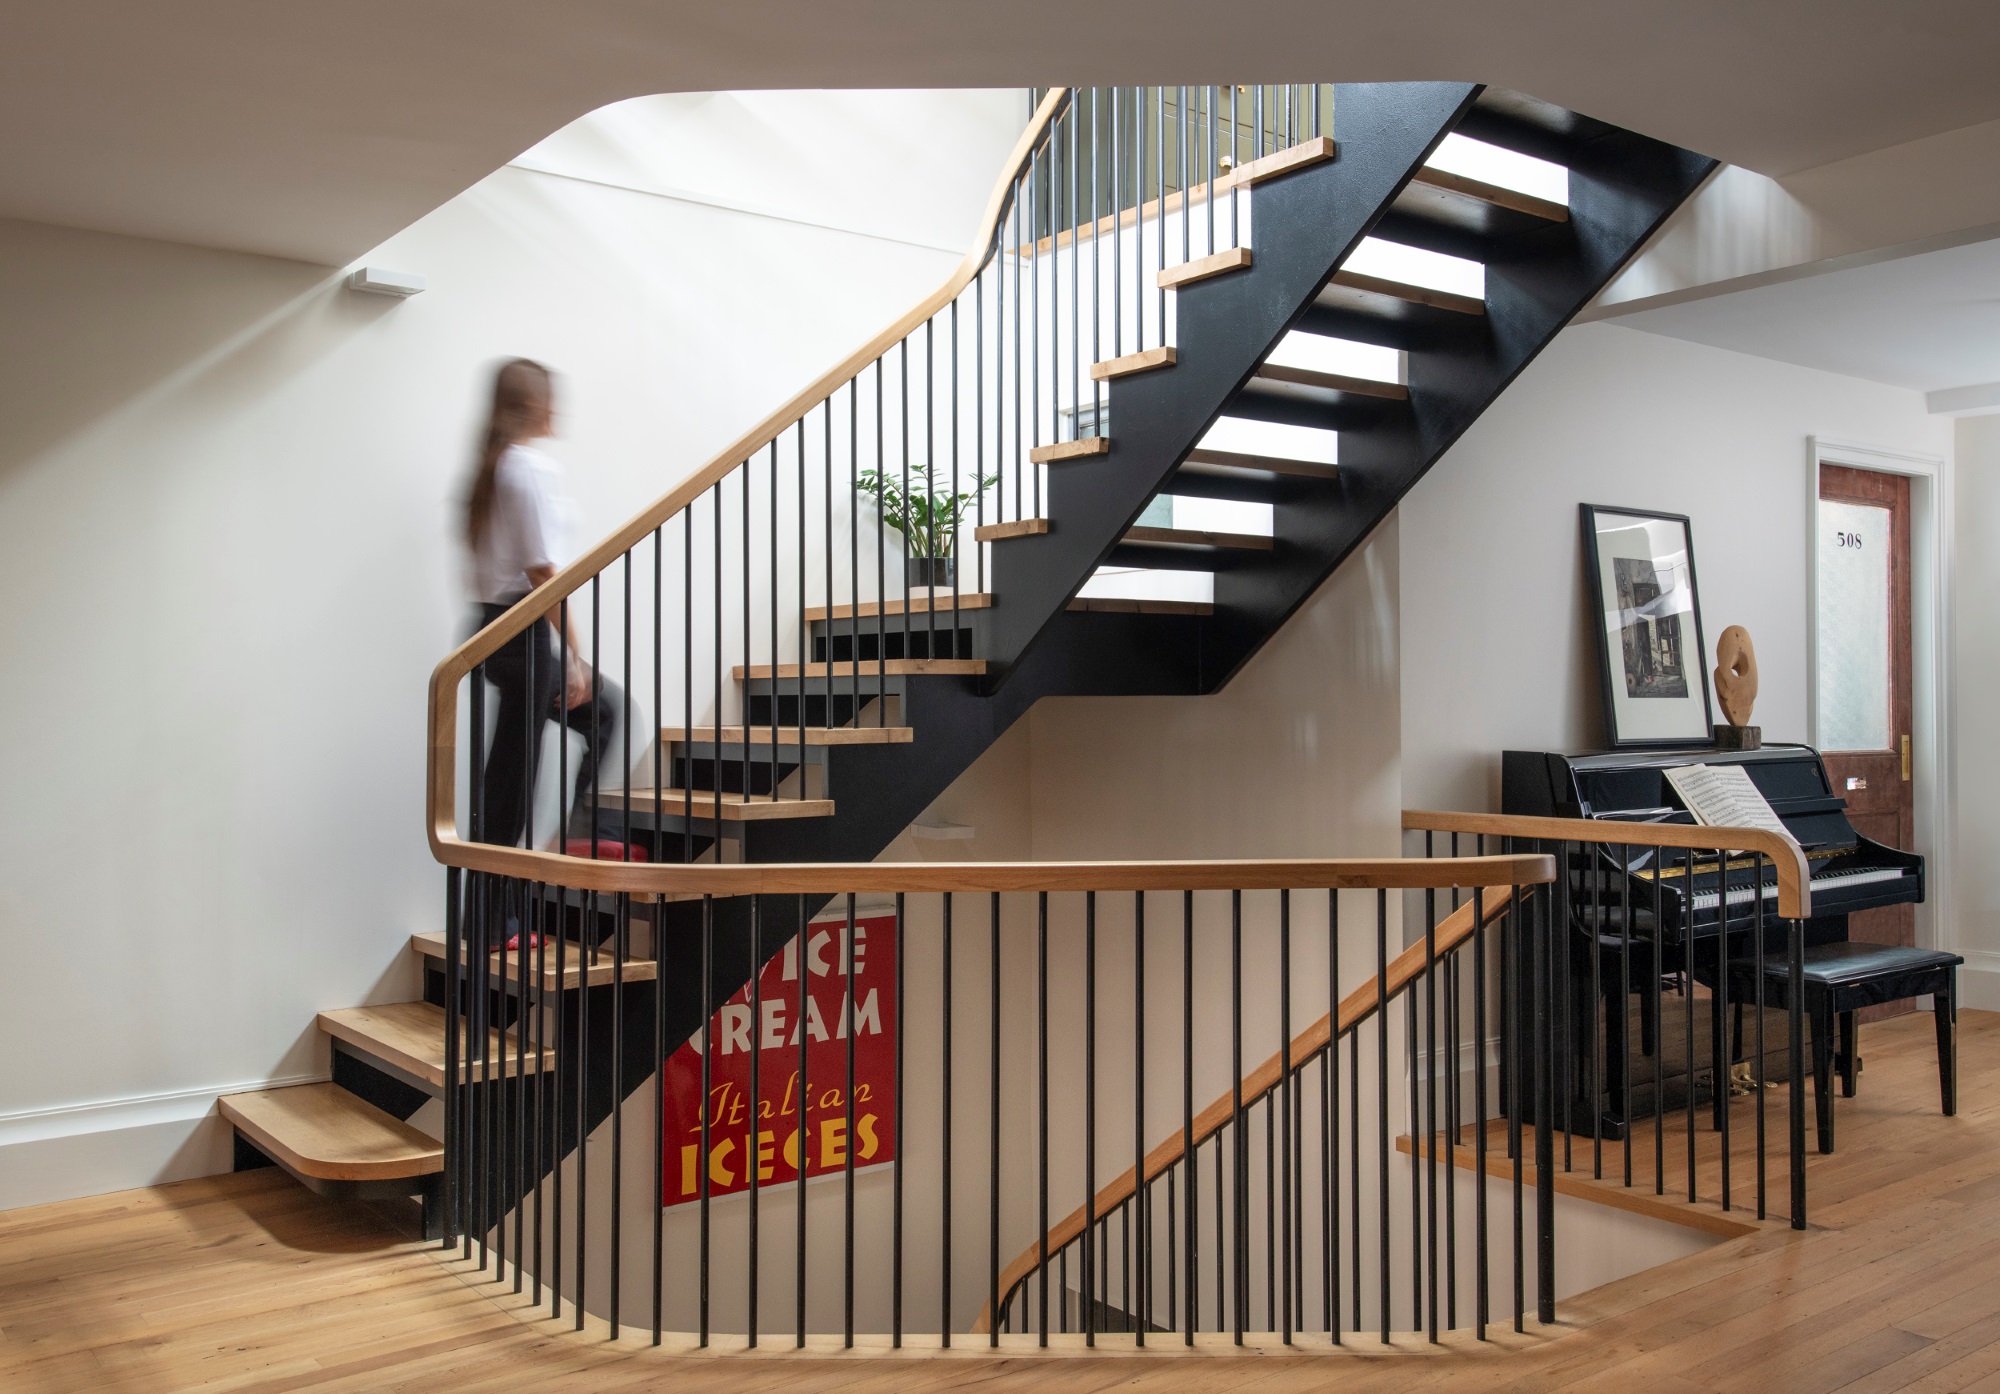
(1979, 980)
(90, 1149)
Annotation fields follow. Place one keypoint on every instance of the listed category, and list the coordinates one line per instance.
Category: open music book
(1723, 796)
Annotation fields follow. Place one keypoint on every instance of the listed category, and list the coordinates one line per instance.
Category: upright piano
(1613, 891)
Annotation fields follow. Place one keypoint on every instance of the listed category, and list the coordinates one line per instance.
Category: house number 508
(1848, 539)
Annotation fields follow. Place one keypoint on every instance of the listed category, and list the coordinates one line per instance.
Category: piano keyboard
(1858, 876)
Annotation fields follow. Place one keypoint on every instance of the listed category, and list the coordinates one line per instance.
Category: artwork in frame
(1647, 615)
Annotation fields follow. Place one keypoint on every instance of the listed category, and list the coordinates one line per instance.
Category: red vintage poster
(832, 1009)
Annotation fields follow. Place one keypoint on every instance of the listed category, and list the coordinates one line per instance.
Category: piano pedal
(1741, 1080)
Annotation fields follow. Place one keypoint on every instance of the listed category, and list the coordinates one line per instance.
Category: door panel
(1864, 679)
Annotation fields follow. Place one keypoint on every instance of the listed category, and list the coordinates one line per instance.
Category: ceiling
(314, 131)
(1928, 322)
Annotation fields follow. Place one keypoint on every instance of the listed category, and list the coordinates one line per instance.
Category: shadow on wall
(90, 320)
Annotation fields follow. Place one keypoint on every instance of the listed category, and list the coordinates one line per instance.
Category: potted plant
(928, 521)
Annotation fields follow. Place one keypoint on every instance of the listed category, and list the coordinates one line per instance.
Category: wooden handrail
(866, 878)
(1794, 878)
(1356, 1007)
(441, 792)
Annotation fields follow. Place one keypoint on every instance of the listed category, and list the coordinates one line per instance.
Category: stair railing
(794, 579)
(1614, 1087)
(946, 1058)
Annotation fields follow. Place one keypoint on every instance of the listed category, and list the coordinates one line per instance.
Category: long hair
(521, 392)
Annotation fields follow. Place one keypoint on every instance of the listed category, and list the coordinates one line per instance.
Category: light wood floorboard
(252, 1285)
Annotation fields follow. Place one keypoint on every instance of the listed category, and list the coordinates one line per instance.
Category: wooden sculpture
(1736, 689)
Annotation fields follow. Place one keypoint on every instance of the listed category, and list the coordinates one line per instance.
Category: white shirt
(528, 526)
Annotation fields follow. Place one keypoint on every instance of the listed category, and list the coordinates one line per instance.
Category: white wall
(1496, 641)
(1975, 737)
(229, 487)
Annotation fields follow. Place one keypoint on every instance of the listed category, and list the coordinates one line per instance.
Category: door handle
(1906, 759)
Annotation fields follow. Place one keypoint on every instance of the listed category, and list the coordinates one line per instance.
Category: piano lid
(1632, 785)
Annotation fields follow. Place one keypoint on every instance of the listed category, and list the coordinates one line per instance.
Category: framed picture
(1651, 655)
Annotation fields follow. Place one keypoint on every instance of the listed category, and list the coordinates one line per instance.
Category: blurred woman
(517, 524)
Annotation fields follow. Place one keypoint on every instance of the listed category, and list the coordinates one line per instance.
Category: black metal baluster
(755, 1161)
(451, 1192)
(1517, 980)
(1190, 1145)
(1239, 1161)
(896, 1166)
(563, 1067)
(1481, 1272)
(804, 1162)
(1623, 887)
(1042, 1110)
(1139, 1113)
(1430, 1149)
(1333, 1030)
(1381, 1081)
(1286, 1099)
(1688, 914)
(1719, 1019)
(993, 1133)
(944, 1133)
(704, 1161)
(659, 1051)
(1795, 982)
(1757, 1071)
(1659, 1028)
(1086, 1255)
(1545, 1148)
(847, 1135)
(1354, 1172)
(1117, 229)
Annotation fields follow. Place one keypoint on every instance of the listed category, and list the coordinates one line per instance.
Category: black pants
(528, 701)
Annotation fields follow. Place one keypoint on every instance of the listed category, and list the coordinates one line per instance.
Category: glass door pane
(1854, 638)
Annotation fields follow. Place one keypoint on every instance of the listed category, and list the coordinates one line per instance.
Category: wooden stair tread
(1402, 290)
(707, 803)
(410, 1036)
(1309, 152)
(864, 667)
(322, 1131)
(1120, 605)
(1192, 537)
(1496, 195)
(1144, 361)
(505, 967)
(1260, 464)
(920, 601)
(788, 735)
(1020, 527)
(1202, 268)
(1070, 450)
(1333, 382)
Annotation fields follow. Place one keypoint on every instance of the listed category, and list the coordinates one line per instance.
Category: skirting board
(117, 1144)
(1979, 980)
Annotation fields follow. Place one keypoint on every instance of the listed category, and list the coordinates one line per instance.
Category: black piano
(1620, 904)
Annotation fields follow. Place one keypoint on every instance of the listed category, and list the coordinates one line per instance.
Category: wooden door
(1865, 671)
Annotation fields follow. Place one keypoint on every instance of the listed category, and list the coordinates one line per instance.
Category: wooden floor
(249, 1283)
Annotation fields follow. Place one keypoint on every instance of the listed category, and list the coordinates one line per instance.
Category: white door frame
(1930, 653)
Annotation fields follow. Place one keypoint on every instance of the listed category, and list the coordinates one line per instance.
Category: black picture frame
(1643, 599)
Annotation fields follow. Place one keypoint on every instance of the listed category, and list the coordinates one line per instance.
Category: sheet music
(1723, 796)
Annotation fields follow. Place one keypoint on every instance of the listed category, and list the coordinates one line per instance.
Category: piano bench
(1843, 977)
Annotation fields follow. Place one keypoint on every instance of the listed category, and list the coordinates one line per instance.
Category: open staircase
(813, 705)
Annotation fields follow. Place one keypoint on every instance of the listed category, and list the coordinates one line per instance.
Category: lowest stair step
(410, 1036)
(577, 962)
(324, 1132)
